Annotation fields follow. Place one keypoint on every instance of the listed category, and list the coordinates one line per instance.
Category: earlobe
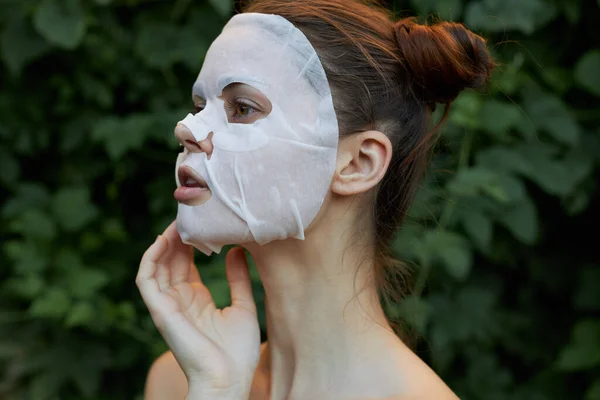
(362, 162)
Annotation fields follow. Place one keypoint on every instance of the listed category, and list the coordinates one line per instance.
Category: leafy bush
(507, 278)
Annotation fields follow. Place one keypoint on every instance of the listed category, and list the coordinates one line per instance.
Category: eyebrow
(224, 81)
(227, 80)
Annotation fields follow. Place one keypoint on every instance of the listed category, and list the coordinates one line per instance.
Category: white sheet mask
(268, 179)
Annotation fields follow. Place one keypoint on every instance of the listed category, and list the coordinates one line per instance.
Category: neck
(324, 318)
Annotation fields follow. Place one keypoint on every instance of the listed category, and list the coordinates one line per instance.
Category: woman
(258, 170)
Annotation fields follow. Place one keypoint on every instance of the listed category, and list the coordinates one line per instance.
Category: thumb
(238, 276)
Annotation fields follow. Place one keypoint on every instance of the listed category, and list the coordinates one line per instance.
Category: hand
(218, 350)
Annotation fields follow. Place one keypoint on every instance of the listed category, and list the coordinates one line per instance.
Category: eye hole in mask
(243, 103)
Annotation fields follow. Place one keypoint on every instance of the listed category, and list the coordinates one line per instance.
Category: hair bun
(442, 59)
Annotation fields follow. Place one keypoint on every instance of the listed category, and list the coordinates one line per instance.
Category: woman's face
(260, 152)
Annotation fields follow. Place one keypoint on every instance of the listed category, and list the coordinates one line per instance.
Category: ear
(362, 161)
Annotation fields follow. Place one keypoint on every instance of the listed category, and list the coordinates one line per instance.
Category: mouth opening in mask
(192, 189)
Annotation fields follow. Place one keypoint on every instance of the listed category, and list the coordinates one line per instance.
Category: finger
(146, 277)
(180, 258)
(178, 247)
(163, 272)
(238, 276)
(150, 259)
(194, 274)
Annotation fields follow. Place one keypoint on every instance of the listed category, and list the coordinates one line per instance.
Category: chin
(197, 227)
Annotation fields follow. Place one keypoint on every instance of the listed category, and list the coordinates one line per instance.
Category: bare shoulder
(431, 396)
(424, 382)
(426, 396)
(412, 379)
(165, 380)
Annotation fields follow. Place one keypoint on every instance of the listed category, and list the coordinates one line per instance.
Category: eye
(241, 110)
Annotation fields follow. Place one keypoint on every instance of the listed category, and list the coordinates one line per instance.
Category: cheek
(241, 138)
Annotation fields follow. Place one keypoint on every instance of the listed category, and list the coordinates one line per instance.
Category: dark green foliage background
(503, 230)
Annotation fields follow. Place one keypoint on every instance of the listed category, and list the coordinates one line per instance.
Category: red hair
(388, 75)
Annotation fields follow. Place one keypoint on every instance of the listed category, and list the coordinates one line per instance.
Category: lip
(191, 196)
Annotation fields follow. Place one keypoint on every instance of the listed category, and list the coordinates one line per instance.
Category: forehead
(264, 51)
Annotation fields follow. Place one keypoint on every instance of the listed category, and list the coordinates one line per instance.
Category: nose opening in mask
(197, 129)
(186, 138)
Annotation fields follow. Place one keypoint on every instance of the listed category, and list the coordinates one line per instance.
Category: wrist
(213, 395)
(232, 393)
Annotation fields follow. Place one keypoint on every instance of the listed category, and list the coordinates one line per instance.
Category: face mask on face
(267, 176)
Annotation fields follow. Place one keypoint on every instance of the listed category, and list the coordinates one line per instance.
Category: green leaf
(91, 241)
(73, 209)
(513, 188)
(81, 314)
(503, 159)
(588, 289)
(407, 240)
(572, 10)
(521, 220)
(579, 164)
(122, 135)
(466, 110)
(471, 181)
(220, 291)
(415, 311)
(161, 45)
(502, 15)
(549, 173)
(84, 283)
(113, 229)
(583, 351)
(20, 45)
(9, 168)
(476, 181)
(45, 384)
(92, 89)
(34, 224)
(509, 78)
(53, 304)
(425, 203)
(463, 316)
(576, 203)
(586, 72)
(451, 249)
(549, 113)
(488, 378)
(422, 7)
(479, 228)
(28, 286)
(61, 22)
(27, 257)
(91, 368)
(223, 7)
(559, 78)
(29, 195)
(449, 10)
(593, 392)
(498, 117)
